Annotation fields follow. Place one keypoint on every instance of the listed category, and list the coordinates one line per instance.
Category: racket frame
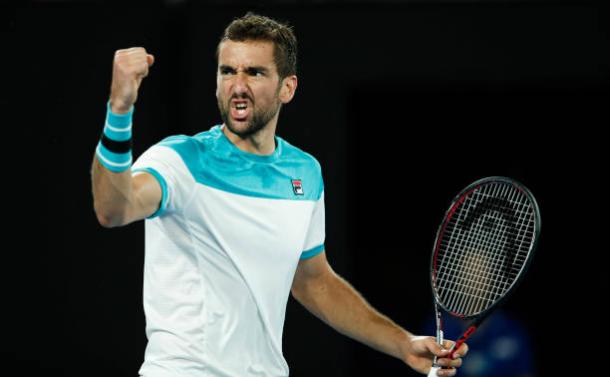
(479, 317)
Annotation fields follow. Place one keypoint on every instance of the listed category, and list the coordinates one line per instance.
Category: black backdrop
(402, 105)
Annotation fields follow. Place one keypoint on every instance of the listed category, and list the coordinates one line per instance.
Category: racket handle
(432, 372)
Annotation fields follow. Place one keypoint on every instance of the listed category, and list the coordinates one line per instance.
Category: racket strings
(483, 247)
(480, 266)
(476, 268)
(467, 275)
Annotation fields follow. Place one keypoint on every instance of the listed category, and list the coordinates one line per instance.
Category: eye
(255, 72)
(226, 70)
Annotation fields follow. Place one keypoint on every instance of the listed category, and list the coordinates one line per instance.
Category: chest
(269, 227)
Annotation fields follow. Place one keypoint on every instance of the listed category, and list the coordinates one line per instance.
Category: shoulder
(176, 151)
(307, 167)
(297, 155)
(179, 143)
(189, 147)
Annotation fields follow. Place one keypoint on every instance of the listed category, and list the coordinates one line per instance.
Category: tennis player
(234, 222)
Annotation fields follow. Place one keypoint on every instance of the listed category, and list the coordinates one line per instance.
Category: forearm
(111, 192)
(111, 169)
(338, 304)
(111, 182)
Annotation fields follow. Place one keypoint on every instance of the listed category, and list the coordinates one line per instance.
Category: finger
(446, 372)
(446, 362)
(150, 59)
(435, 348)
(134, 50)
(463, 350)
(448, 344)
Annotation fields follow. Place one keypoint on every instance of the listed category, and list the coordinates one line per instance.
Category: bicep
(310, 272)
(146, 199)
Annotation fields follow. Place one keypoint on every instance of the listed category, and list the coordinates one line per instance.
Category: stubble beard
(260, 118)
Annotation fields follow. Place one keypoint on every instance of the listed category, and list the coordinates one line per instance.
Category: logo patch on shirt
(297, 187)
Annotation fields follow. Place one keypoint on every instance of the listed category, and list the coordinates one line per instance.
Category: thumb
(150, 59)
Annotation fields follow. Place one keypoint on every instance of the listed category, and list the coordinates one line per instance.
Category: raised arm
(119, 198)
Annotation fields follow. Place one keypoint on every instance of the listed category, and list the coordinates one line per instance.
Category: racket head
(501, 248)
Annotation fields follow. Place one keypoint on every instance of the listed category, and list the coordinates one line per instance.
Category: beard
(259, 119)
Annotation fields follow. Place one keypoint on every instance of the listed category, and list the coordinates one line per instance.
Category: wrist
(119, 108)
(120, 118)
(404, 343)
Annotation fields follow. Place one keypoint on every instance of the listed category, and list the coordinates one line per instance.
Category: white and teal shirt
(221, 253)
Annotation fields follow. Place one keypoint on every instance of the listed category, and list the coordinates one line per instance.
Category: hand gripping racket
(482, 249)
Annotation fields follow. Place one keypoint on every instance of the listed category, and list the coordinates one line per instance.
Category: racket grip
(432, 372)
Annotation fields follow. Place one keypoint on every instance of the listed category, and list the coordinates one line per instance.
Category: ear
(288, 88)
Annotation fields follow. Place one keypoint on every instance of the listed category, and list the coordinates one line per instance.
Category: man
(234, 222)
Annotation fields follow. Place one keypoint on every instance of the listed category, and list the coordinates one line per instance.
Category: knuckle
(122, 68)
(120, 61)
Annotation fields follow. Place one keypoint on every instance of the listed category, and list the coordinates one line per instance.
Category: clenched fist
(129, 68)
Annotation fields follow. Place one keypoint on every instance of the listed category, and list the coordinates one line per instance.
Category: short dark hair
(260, 28)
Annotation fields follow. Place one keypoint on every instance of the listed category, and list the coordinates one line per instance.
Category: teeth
(241, 106)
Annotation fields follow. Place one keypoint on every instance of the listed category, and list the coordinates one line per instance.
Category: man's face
(247, 86)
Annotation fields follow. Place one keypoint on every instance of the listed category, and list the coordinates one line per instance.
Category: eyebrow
(248, 69)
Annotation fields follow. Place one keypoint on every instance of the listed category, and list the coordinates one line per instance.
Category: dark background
(403, 104)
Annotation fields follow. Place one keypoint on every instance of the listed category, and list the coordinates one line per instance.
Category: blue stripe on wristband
(121, 121)
(113, 161)
(117, 134)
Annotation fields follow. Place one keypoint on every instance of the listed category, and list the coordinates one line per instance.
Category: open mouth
(240, 109)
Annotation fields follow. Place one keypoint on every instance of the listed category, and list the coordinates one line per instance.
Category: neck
(260, 143)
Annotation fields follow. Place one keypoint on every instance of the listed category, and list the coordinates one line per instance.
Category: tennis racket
(483, 248)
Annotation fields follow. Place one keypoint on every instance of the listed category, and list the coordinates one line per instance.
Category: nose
(240, 83)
